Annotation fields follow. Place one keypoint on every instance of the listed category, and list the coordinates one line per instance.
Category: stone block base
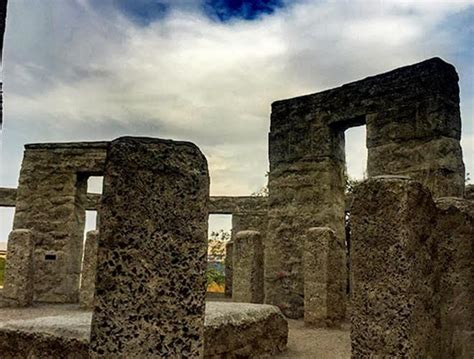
(232, 330)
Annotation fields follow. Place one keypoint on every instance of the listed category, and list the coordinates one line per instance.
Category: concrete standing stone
(324, 278)
(454, 235)
(252, 216)
(150, 282)
(413, 129)
(51, 202)
(89, 266)
(19, 283)
(394, 309)
(229, 259)
(247, 283)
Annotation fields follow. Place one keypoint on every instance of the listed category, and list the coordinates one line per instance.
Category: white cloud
(84, 75)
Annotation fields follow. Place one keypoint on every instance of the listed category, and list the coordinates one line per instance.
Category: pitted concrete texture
(242, 330)
(50, 201)
(232, 330)
(394, 306)
(454, 235)
(247, 275)
(469, 193)
(7, 197)
(324, 261)
(89, 266)
(229, 261)
(18, 287)
(413, 129)
(150, 282)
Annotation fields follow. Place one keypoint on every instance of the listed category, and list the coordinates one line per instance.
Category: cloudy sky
(207, 71)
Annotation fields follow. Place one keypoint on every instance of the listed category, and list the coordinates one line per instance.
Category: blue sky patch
(225, 10)
(142, 12)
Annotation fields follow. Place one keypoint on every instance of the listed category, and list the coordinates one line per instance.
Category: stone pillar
(455, 235)
(89, 266)
(394, 310)
(254, 219)
(324, 278)
(150, 282)
(247, 274)
(50, 201)
(306, 189)
(229, 258)
(19, 283)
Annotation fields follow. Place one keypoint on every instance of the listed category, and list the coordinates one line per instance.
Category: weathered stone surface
(235, 204)
(18, 281)
(217, 204)
(50, 201)
(437, 164)
(405, 111)
(248, 219)
(247, 276)
(469, 194)
(238, 330)
(454, 235)
(394, 306)
(7, 197)
(150, 281)
(324, 261)
(229, 259)
(301, 196)
(63, 331)
(89, 265)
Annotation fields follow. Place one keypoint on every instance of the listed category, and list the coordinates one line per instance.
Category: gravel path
(317, 343)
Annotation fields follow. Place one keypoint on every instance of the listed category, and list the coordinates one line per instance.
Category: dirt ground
(316, 343)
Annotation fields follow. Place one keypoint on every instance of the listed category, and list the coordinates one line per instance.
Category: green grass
(2, 270)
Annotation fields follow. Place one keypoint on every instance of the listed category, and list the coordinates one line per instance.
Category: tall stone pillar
(150, 282)
(454, 235)
(247, 285)
(89, 267)
(229, 259)
(394, 309)
(324, 262)
(306, 189)
(19, 283)
(248, 219)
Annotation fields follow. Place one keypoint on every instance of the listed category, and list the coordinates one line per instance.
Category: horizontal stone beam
(217, 204)
(7, 197)
(68, 145)
(229, 205)
(469, 194)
